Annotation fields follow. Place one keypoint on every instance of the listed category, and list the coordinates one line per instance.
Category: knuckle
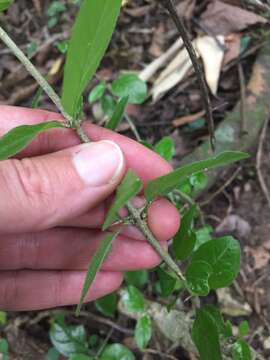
(29, 251)
(35, 186)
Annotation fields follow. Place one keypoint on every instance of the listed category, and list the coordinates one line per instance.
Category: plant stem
(36, 74)
(82, 134)
(165, 256)
(169, 5)
(191, 202)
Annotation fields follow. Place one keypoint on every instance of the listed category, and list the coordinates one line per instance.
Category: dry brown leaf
(221, 18)
(230, 306)
(172, 75)
(151, 69)
(157, 41)
(233, 46)
(212, 55)
(186, 8)
(188, 119)
(260, 256)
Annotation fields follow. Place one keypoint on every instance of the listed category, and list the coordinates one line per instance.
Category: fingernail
(99, 163)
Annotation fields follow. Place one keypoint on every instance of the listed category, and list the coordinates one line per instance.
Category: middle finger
(72, 249)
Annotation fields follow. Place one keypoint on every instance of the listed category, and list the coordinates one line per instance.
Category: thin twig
(222, 188)
(165, 256)
(105, 342)
(43, 83)
(106, 322)
(35, 73)
(160, 354)
(169, 5)
(259, 162)
(242, 100)
(133, 128)
(191, 202)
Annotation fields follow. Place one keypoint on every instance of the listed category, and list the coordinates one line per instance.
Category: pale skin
(51, 217)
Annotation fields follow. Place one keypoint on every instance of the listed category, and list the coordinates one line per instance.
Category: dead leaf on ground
(186, 8)
(260, 255)
(157, 41)
(221, 18)
(139, 11)
(212, 56)
(172, 75)
(188, 119)
(233, 46)
(230, 306)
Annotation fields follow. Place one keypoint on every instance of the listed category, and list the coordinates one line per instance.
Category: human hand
(53, 200)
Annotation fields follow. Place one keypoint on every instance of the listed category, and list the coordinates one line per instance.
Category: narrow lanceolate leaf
(90, 38)
(18, 138)
(130, 186)
(165, 184)
(4, 4)
(96, 263)
(205, 336)
(118, 114)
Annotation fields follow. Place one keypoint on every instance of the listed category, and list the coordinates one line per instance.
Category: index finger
(144, 162)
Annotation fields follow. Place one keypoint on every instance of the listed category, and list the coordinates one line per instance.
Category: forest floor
(240, 208)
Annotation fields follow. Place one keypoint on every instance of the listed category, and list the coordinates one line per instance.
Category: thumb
(42, 192)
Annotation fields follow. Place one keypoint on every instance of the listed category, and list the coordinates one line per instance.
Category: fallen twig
(168, 4)
(259, 162)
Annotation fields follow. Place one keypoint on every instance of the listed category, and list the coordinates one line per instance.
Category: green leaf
(81, 357)
(185, 239)
(53, 354)
(55, 8)
(165, 184)
(108, 105)
(95, 265)
(3, 346)
(199, 181)
(223, 256)
(137, 278)
(197, 276)
(97, 93)
(130, 186)
(167, 282)
(68, 340)
(62, 46)
(3, 318)
(18, 138)
(224, 329)
(133, 299)
(4, 4)
(118, 114)
(90, 38)
(132, 86)
(205, 336)
(166, 148)
(143, 331)
(203, 235)
(241, 351)
(117, 352)
(243, 328)
(107, 305)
